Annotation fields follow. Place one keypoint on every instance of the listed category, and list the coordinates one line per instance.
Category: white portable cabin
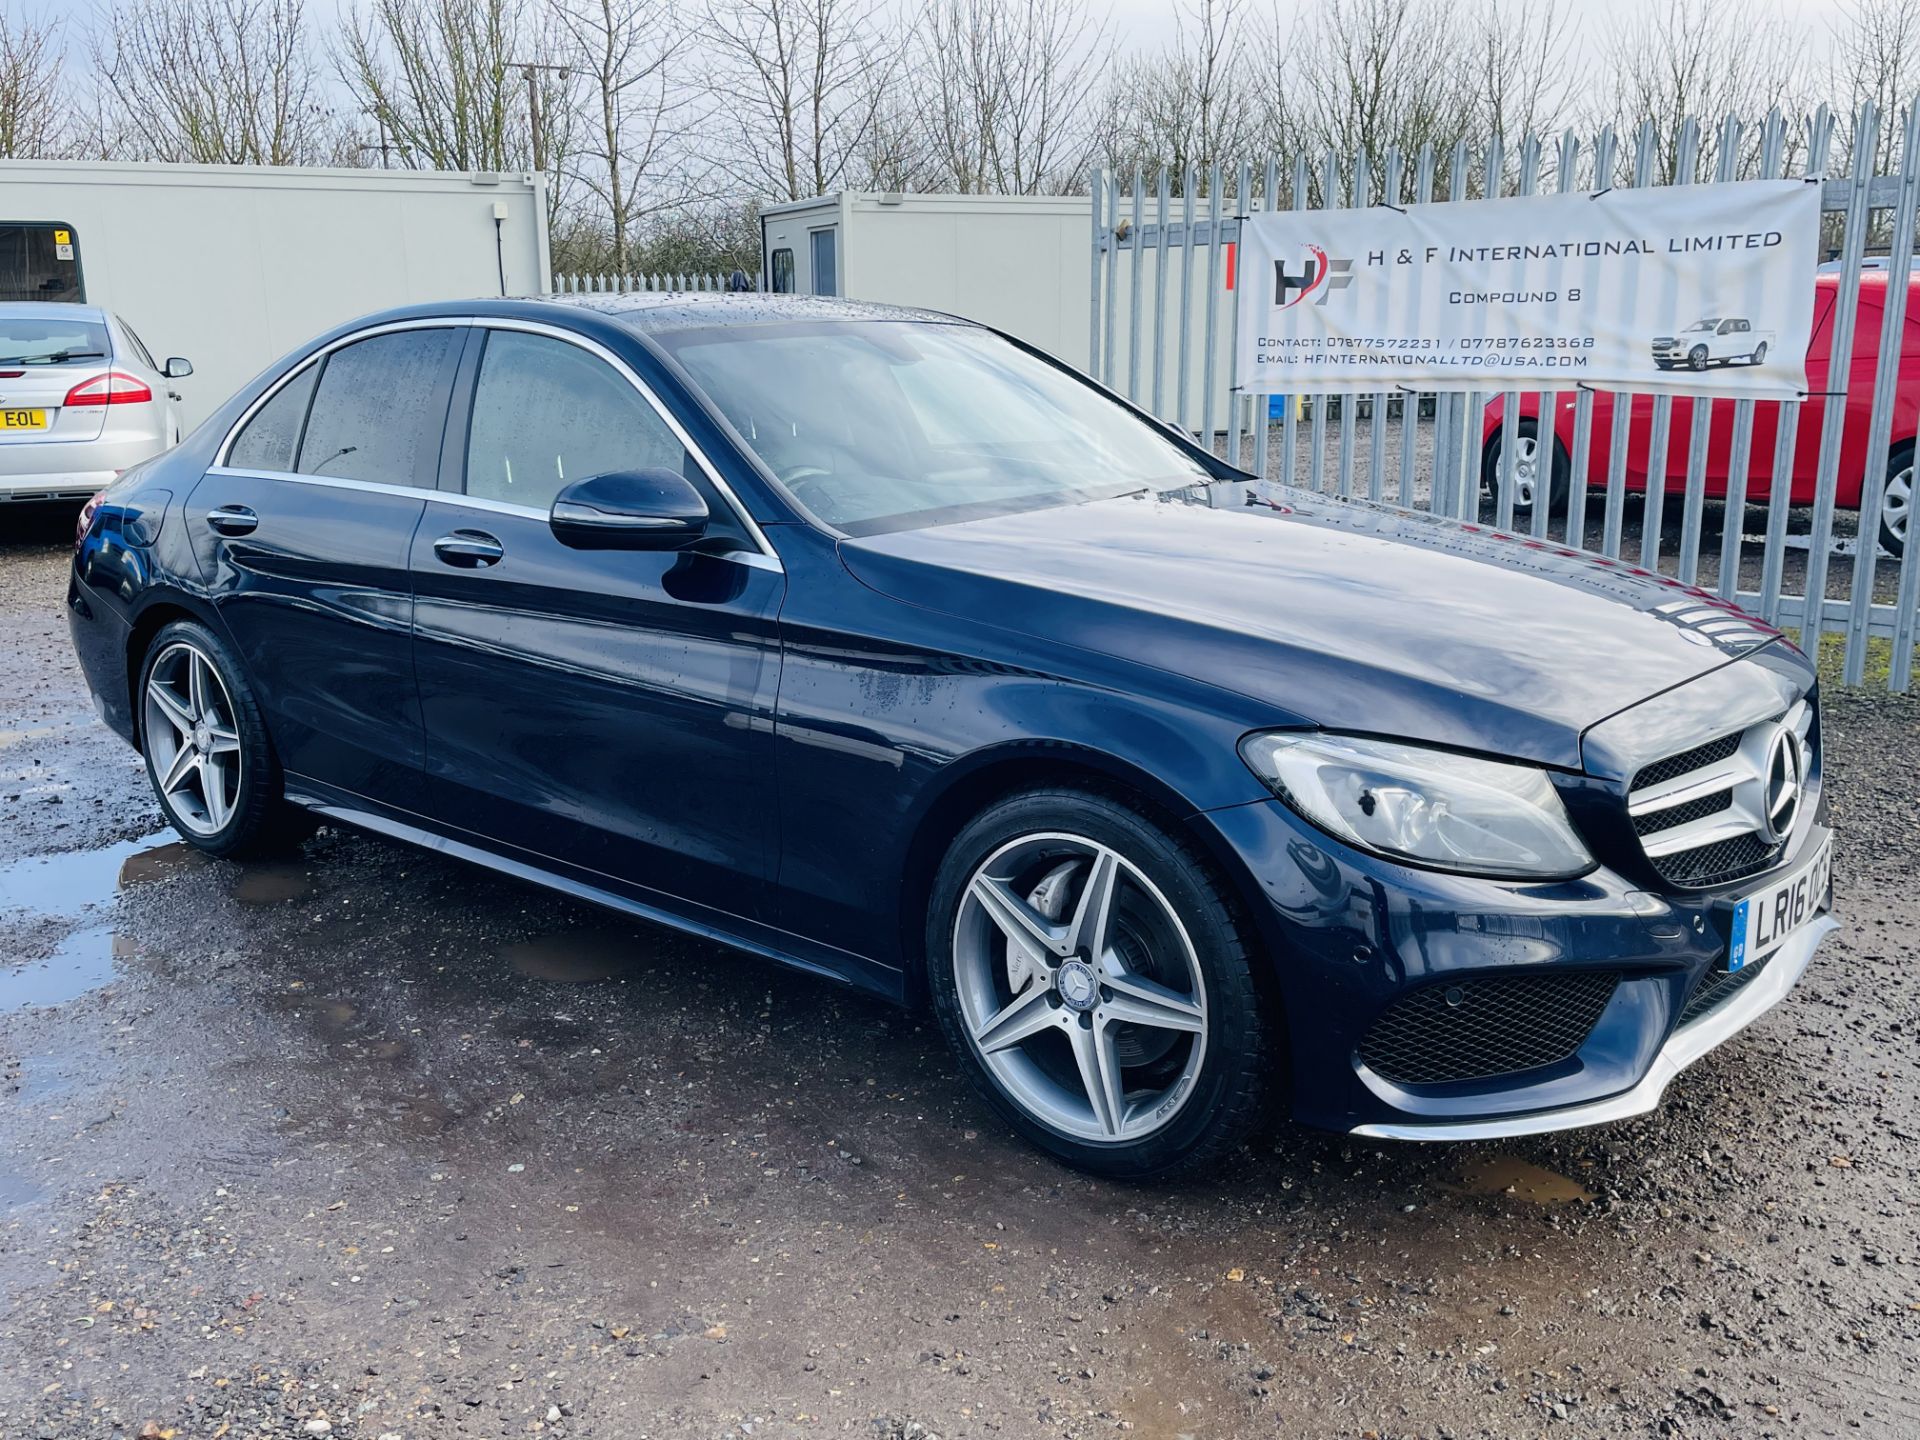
(1020, 263)
(232, 266)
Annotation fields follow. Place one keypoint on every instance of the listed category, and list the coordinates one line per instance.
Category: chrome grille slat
(1721, 785)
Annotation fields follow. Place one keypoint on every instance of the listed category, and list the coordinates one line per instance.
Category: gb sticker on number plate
(1761, 922)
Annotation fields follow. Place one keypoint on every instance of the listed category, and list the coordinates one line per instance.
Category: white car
(1715, 338)
(81, 400)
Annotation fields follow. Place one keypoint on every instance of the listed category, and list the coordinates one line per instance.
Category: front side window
(881, 424)
(547, 413)
(271, 439)
(379, 409)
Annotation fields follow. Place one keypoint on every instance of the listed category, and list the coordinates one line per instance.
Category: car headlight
(1431, 807)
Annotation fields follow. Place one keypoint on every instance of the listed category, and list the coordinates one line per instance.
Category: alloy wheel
(1079, 988)
(1896, 505)
(1526, 470)
(192, 738)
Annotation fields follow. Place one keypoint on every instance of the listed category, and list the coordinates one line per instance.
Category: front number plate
(23, 419)
(1762, 921)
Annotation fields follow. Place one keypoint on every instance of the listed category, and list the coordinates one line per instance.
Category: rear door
(302, 533)
(609, 709)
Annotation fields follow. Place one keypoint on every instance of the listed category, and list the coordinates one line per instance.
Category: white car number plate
(1762, 921)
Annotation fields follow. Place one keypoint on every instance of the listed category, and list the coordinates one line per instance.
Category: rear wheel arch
(154, 617)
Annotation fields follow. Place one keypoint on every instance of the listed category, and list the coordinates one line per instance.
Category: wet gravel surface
(366, 1143)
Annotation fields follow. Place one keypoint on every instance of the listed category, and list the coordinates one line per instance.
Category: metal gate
(1178, 234)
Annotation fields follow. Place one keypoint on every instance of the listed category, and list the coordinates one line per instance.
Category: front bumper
(1686, 1045)
(1352, 936)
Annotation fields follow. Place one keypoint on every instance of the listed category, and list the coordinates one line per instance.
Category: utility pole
(531, 70)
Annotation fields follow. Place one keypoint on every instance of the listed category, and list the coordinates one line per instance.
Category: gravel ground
(371, 1144)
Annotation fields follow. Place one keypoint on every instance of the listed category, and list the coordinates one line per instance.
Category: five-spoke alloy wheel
(191, 739)
(212, 766)
(1089, 973)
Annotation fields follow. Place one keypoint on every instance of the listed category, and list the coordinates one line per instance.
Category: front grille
(1717, 987)
(1701, 814)
(1658, 820)
(1694, 759)
(1477, 1029)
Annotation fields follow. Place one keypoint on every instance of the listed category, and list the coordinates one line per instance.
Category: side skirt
(770, 943)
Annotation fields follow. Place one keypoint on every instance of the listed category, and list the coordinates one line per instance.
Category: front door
(302, 537)
(609, 709)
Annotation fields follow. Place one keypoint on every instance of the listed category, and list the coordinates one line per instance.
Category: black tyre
(1760, 353)
(1527, 470)
(1090, 974)
(208, 754)
(1697, 357)
(1896, 501)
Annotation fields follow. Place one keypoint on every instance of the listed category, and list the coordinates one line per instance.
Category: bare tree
(438, 80)
(1197, 103)
(1379, 75)
(803, 84)
(1876, 55)
(31, 110)
(1002, 91)
(626, 51)
(212, 81)
(1704, 59)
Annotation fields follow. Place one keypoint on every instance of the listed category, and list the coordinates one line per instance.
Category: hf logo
(1315, 275)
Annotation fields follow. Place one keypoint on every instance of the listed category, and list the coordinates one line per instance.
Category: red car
(1892, 471)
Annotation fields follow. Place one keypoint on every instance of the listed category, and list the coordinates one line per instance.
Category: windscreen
(48, 337)
(882, 424)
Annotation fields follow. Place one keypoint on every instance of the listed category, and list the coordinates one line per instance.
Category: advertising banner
(1687, 289)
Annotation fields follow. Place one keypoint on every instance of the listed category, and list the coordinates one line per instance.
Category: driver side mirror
(178, 367)
(653, 509)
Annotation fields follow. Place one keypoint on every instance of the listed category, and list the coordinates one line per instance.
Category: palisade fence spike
(1833, 408)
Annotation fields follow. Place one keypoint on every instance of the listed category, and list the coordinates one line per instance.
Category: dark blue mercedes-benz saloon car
(879, 644)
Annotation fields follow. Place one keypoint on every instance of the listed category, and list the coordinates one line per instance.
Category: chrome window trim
(753, 559)
(447, 322)
(764, 557)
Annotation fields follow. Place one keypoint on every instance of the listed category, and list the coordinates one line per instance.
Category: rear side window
(379, 409)
(40, 262)
(547, 413)
(272, 437)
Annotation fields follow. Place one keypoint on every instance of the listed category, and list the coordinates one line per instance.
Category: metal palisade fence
(1163, 318)
(642, 284)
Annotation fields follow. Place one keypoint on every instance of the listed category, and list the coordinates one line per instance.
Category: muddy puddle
(273, 883)
(1510, 1175)
(576, 957)
(84, 961)
(68, 884)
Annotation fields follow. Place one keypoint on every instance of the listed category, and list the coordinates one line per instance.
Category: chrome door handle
(233, 520)
(468, 549)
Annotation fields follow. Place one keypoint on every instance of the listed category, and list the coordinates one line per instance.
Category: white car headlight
(1479, 817)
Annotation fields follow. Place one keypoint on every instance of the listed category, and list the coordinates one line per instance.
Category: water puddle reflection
(84, 961)
(67, 884)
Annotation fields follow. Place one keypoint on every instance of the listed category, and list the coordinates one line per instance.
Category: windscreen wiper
(54, 357)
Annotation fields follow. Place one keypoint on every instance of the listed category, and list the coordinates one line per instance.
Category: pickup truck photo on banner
(1691, 289)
